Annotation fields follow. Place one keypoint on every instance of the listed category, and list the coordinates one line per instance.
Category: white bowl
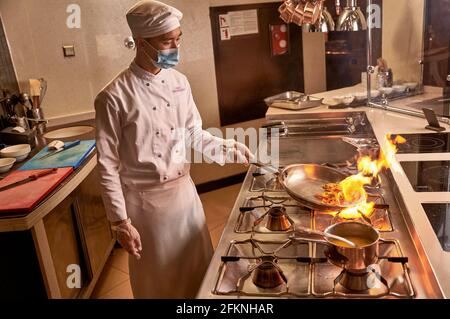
(360, 96)
(347, 99)
(399, 88)
(19, 152)
(6, 164)
(332, 101)
(411, 85)
(374, 93)
(386, 90)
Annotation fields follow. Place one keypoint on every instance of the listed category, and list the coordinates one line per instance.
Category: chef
(145, 119)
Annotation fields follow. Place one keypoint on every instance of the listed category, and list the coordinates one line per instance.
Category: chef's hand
(238, 152)
(128, 237)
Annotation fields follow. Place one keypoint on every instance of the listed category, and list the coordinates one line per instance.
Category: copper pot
(356, 258)
(297, 16)
(286, 11)
(312, 12)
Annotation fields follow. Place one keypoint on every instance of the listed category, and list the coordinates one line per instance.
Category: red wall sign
(279, 39)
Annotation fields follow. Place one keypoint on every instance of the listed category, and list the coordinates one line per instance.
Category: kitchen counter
(431, 256)
(68, 228)
(19, 222)
(385, 122)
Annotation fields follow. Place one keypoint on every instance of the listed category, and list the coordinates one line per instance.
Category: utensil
(43, 90)
(19, 152)
(6, 164)
(325, 234)
(64, 148)
(268, 167)
(353, 258)
(356, 258)
(55, 145)
(29, 179)
(303, 182)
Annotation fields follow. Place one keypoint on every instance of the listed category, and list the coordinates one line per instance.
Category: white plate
(68, 132)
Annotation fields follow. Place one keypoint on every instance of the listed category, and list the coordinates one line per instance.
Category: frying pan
(304, 181)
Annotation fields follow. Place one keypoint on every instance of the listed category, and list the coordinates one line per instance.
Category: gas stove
(289, 266)
(266, 214)
(261, 255)
(298, 268)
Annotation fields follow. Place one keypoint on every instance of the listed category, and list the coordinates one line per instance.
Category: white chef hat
(149, 18)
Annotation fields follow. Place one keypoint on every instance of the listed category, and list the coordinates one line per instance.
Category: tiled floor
(114, 282)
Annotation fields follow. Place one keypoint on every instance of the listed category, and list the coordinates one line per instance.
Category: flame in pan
(351, 189)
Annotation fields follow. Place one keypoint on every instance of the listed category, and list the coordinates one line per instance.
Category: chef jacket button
(148, 84)
(166, 178)
(159, 155)
(158, 133)
(168, 104)
(163, 81)
(154, 108)
(172, 129)
(179, 173)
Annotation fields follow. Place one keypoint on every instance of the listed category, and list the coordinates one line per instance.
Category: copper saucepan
(355, 259)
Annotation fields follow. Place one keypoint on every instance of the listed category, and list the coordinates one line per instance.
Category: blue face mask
(167, 59)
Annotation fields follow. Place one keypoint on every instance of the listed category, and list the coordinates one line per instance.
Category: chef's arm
(108, 134)
(216, 149)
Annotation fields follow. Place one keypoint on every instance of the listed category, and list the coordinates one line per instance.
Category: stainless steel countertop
(421, 273)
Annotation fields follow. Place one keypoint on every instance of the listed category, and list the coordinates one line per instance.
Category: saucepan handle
(310, 239)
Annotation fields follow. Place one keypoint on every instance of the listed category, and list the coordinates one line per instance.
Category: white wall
(37, 30)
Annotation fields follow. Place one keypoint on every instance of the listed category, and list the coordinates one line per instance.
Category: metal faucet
(45, 121)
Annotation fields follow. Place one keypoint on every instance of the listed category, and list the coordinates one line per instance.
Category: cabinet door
(66, 246)
(96, 228)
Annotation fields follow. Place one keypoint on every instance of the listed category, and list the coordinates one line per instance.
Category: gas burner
(266, 215)
(278, 219)
(267, 274)
(388, 277)
(265, 182)
(361, 218)
(362, 281)
(254, 267)
(298, 268)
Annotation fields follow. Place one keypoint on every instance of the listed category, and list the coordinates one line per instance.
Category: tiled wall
(8, 81)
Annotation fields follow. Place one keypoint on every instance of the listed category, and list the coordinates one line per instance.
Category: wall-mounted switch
(69, 50)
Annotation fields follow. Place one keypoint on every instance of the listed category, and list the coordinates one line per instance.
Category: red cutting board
(23, 198)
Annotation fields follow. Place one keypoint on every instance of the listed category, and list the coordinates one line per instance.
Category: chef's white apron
(176, 245)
